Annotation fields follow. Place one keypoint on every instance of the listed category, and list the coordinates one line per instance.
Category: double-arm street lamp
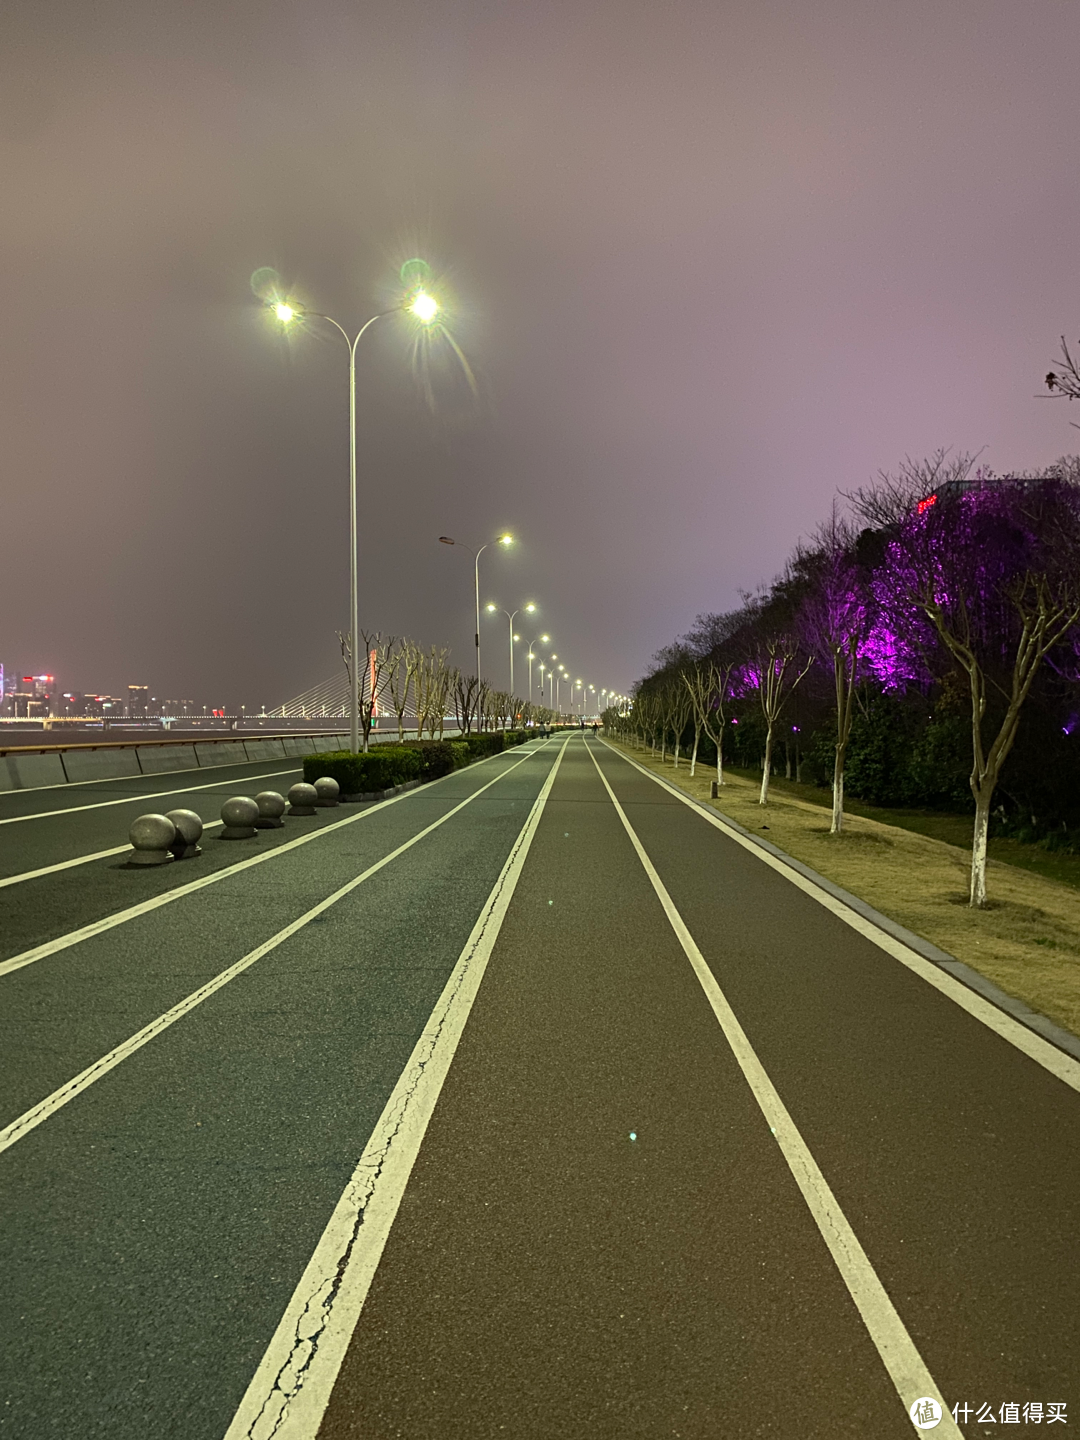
(424, 308)
(529, 608)
(502, 540)
(540, 640)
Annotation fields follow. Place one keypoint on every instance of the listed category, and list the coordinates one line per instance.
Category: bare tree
(402, 682)
(708, 684)
(775, 664)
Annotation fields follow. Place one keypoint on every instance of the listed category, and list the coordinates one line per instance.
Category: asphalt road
(657, 1143)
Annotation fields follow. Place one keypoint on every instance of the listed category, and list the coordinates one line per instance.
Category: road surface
(531, 1103)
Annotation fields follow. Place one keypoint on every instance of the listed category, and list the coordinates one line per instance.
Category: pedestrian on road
(595, 728)
(583, 727)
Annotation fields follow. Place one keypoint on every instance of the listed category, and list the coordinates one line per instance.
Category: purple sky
(712, 262)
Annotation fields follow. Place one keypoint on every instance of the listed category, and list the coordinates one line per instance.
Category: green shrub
(488, 742)
(461, 756)
(379, 769)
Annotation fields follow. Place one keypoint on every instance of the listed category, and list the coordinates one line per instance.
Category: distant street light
(510, 617)
(424, 307)
(502, 540)
(540, 640)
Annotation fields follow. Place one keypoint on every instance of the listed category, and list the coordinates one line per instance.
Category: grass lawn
(913, 866)
(953, 829)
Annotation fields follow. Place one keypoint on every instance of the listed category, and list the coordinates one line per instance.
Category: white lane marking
(80, 860)
(121, 917)
(905, 1365)
(156, 795)
(1061, 1065)
(290, 1390)
(67, 1092)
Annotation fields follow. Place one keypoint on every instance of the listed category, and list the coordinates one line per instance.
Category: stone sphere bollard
(189, 829)
(303, 799)
(151, 836)
(239, 815)
(328, 791)
(271, 808)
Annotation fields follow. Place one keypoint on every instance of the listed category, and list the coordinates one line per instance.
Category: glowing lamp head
(506, 539)
(491, 607)
(425, 307)
(530, 608)
(284, 312)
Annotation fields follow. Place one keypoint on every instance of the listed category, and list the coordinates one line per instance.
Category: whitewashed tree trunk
(677, 752)
(978, 850)
(693, 757)
(763, 798)
(837, 797)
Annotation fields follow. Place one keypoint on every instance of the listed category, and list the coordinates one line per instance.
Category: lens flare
(425, 307)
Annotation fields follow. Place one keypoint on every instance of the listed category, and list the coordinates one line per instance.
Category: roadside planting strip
(67, 1092)
(121, 917)
(906, 1368)
(289, 1392)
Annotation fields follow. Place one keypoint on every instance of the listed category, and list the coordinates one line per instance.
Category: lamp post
(424, 307)
(540, 640)
(502, 540)
(529, 608)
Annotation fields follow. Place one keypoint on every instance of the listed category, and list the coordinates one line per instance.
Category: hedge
(379, 769)
(392, 764)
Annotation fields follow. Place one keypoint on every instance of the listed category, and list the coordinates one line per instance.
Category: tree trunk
(763, 798)
(978, 847)
(798, 763)
(837, 793)
(787, 759)
(693, 757)
(677, 739)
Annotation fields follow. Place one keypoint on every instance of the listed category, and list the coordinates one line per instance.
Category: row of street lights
(424, 309)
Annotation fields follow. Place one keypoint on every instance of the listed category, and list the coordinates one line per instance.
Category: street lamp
(529, 608)
(502, 540)
(424, 308)
(540, 640)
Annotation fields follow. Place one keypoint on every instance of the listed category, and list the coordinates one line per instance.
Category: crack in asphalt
(318, 1310)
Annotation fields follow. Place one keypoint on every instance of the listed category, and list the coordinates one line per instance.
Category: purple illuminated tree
(986, 570)
(834, 619)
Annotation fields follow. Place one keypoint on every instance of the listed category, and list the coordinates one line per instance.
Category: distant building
(138, 696)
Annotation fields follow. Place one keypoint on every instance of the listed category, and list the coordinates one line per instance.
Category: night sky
(709, 262)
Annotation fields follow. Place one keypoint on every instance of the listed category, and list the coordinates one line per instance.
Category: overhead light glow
(284, 313)
(425, 307)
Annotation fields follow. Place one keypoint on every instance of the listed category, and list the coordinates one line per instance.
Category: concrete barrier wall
(224, 752)
(157, 759)
(264, 749)
(25, 772)
(99, 764)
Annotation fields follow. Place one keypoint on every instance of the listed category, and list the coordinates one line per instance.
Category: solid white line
(80, 860)
(67, 1092)
(155, 795)
(1059, 1064)
(290, 1390)
(121, 917)
(905, 1365)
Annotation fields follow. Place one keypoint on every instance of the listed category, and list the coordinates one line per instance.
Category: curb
(1042, 1025)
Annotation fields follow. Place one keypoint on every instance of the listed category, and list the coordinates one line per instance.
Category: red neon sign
(925, 504)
